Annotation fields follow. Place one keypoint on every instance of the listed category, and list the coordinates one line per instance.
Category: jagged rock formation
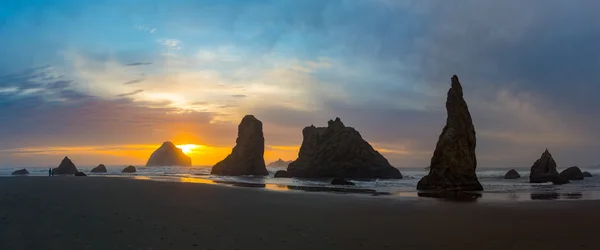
(80, 174)
(20, 172)
(341, 181)
(66, 167)
(279, 163)
(587, 174)
(282, 174)
(169, 155)
(572, 173)
(99, 169)
(512, 174)
(129, 169)
(247, 157)
(339, 151)
(454, 162)
(544, 169)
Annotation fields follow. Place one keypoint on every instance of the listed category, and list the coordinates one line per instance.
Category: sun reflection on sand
(276, 187)
(196, 180)
(137, 177)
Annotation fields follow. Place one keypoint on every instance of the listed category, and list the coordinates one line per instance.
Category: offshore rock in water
(20, 172)
(339, 151)
(169, 155)
(341, 181)
(129, 169)
(544, 169)
(572, 173)
(80, 174)
(587, 174)
(282, 174)
(454, 162)
(247, 157)
(66, 167)
(279, 163)
(512, 174)
(99, 169)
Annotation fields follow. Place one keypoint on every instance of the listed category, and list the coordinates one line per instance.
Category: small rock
(341, 181)
(129, 169)
(587, 174)
(572, 173)
(99, 169)
(20, 172)
(80, 174)
(512, 174)
(282, 174)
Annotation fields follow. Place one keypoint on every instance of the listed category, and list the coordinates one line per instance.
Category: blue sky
(111, 74)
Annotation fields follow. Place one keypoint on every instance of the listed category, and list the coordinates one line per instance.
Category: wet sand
(119, 213)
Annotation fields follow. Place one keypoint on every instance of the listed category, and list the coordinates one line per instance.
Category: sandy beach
(121, 213)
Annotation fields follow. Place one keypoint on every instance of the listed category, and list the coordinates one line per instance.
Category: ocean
(496, 188)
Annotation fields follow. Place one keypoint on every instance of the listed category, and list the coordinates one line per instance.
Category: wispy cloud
(138, 64)
(134, 81)
(170, 43)
(131, 93)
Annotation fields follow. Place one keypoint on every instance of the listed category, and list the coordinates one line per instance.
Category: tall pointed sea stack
(169, 155)
(247, 157)
(453, 163)
(544, 169)
(66, 167)
(339, 151)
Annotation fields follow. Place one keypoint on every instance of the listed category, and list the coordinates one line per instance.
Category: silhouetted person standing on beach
(50, 172)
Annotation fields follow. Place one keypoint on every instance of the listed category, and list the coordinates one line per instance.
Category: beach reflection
(454, 196)
(276, 187)
(196, 180)
(141, 177)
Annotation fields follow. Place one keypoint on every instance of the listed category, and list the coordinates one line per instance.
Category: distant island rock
(282, 174)
(129, 169)
(572, 174)
(454, 161)
(169, 155)
(279, 163)
(66, 167)
(512, 174)
(341, 181)
(544, 169)
(99, 169)
(247, 157)
(339, 151)
(587, 174)
(20, 172)
(80, 174)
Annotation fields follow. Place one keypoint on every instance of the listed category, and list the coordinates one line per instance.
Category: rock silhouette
(544, 169)
(341, 181)
(339, 151)
(66, 167)
(129, 169)
(246, 157)
(169, 155)
(99, 169)
(454, 162)
(20, 172)
(279, 163)
(282, 174)
(512, 174)
(587, 174)
(572, 173)
(80, 174)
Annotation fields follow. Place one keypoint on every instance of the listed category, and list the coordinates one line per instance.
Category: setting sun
(188, 148)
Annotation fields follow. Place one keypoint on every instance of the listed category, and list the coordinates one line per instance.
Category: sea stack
(169, 155)
(66, 167)
(454, 162)
(572, 174)
(339, 151)
(99, 169)
(279, 163)
(247, 157)
(129, 169)
(20, 172)
(512, 174)
(544, 169)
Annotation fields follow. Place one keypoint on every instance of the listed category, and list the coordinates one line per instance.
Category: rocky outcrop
(80, 174)
(282, 174)
(129, 169)
(66, 167)
(341, 181)
(279, 164)
(20, 172)
(454, 162)
(572, 174)
(512, 174)
(169, 155)
(587, 174)
(544, 169)
(99, 169)
(339, 151)
(246, 157)
(558, 180)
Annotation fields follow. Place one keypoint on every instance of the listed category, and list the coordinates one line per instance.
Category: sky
(108, 81)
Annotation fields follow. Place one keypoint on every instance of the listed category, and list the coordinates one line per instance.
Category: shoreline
(120, 213)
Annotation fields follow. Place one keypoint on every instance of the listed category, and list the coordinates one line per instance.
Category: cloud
(131, 93)
(170, 43)
(134, 81)
(138, 64)
(238, 96)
